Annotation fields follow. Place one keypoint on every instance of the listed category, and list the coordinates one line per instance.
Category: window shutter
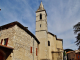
(1, 41)
(31, 50)
(6, 41)
(36, 51)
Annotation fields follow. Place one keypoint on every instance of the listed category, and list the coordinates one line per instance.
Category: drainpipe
(33, 49)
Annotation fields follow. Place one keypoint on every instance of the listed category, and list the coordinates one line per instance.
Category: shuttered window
(6, 41)
(31, 50)
(1, 41)
(36, 51)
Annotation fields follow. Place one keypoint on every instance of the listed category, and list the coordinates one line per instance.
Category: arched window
(40, 25)
(40, 16)
(48, 43)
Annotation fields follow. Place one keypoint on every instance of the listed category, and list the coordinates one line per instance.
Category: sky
(62, 15)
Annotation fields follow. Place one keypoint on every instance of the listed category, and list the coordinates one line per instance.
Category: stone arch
(2, 55)
(40, 16)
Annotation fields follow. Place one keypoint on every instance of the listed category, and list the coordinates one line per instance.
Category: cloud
(61, 19)
(20, 11)
(62, 16)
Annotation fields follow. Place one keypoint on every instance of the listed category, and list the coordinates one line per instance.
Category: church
(18, 43)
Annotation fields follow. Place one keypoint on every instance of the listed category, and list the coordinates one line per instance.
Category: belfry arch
(40, 16)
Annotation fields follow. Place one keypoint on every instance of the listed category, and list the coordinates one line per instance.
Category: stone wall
(21, 41)
(41, 34)
(59, 44)
(55, 52)
(8, 33)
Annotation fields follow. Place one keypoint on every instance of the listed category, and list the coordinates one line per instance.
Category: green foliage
(64, 53)
(77, 31)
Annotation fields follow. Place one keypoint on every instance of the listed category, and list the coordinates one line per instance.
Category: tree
(67, 50)
(77, 31)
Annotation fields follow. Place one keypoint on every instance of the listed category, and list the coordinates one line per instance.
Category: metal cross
(41, 0)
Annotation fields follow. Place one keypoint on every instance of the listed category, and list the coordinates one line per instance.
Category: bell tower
(41, 32)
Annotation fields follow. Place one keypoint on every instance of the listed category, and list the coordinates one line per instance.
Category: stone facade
(55, 48)
(18, 43)
(21, 41)
(73, 55)
(50, 47)
(41, 33)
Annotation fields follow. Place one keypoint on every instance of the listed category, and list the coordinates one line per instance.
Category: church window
(40, 16)
(40, 25)
(31, 50)
(6, 41)
(48, 43)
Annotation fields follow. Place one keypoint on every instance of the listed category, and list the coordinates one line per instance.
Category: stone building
(18, 43)
(73, 55)
(50, 48)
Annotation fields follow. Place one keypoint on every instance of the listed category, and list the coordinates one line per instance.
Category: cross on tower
(41, 0)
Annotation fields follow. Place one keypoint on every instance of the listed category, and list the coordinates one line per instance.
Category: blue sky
(62, 15)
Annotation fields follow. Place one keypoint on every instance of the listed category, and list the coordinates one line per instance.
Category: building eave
(55, 52)
(21, 26)
(55, 36)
